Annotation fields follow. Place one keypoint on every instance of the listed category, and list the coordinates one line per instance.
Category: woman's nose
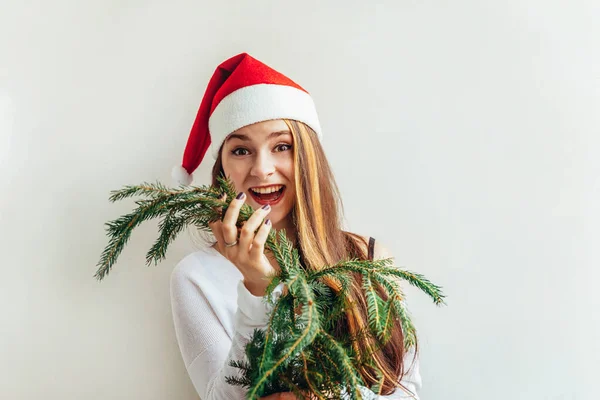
(264, 166)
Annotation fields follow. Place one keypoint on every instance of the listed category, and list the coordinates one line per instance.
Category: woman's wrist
(256, 289)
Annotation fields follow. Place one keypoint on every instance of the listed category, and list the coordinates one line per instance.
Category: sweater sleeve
(205, 346)
(411, 381)
(207, 349)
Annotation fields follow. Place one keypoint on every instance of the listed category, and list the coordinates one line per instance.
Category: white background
(463, 135)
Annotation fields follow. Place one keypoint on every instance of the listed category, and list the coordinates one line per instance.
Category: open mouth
(267, 198)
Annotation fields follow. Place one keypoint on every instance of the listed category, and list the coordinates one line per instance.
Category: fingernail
(266, 207)
(240, 195)
(267, 222)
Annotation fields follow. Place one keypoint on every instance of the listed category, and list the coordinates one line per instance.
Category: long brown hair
(317, 216)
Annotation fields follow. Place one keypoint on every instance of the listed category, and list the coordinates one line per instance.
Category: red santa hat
(242, 91)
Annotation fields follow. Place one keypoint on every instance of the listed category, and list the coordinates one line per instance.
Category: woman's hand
(284, 396)
(280, 396)
(248, 255)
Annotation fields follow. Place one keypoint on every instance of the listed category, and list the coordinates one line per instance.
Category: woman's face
(261, 156)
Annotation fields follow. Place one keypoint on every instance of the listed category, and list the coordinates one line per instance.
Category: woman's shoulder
(379, 249)
(203, 264)
(191, 260)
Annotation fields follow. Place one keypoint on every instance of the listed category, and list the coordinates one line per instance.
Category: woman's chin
(277, 213)
(274, 217)
(277, 219)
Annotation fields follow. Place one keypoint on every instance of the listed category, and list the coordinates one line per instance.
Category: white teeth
(270, 189)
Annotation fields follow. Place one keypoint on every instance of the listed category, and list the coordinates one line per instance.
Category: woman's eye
(280, 147)
(234, 152)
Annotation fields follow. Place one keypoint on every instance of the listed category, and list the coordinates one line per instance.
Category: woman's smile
(270, 195)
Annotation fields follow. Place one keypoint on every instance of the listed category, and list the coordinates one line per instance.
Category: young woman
(263, 131)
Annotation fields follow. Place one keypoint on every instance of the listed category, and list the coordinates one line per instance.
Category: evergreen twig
(296, 352)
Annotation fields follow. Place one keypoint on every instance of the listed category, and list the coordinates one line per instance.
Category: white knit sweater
(214, 317)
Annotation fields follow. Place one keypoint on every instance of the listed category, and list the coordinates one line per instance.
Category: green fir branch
(297, 351)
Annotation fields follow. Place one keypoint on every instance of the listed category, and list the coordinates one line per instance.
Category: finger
(252, 224)
(274, 396)
(229, 228)
(280, 396)
(258, 243)
(216, 228)
(222, 198)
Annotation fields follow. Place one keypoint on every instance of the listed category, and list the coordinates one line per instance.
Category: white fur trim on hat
(180, 176)
(256, 103)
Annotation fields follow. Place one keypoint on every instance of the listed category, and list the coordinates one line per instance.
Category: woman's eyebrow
(246, 138)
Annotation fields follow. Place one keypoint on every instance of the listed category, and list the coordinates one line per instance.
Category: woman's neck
(288, 227)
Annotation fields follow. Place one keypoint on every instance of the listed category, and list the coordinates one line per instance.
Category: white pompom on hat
(242, 91)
